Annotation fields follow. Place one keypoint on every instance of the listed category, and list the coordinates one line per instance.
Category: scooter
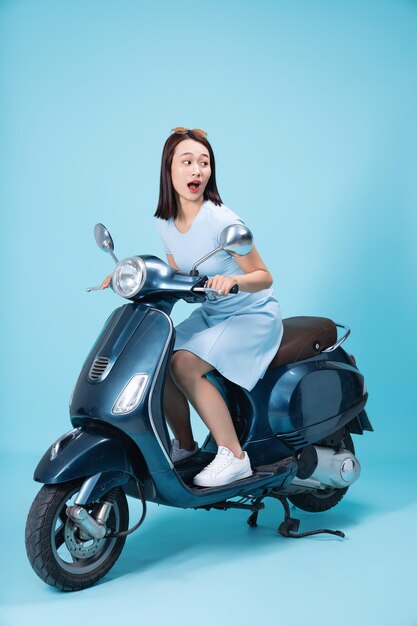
(296, 425)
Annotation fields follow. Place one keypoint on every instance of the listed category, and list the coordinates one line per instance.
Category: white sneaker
(225, 468)
(179, 454)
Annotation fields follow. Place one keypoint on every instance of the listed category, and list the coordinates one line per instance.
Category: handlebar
(157, 277)
(216, 292)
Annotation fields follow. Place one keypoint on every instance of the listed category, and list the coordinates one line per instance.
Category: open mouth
(194, 186)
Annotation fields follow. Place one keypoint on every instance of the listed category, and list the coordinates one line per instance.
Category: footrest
(280, 467)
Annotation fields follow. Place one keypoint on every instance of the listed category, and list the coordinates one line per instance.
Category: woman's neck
(187, 210)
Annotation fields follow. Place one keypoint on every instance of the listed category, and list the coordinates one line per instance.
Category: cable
(124, 533)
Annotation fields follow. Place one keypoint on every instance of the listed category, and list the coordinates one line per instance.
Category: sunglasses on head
(180, 130)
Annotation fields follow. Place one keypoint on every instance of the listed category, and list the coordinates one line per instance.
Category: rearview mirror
(104, 240)
(234, 239)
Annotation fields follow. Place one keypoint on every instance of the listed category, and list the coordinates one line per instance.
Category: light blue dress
(239, 334)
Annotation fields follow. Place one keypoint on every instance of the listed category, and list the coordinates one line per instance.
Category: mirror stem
(193, 271)
(113, 256)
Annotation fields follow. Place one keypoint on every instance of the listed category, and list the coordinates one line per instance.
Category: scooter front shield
(136, 340)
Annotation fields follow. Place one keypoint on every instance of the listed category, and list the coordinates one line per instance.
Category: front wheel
(56, 550)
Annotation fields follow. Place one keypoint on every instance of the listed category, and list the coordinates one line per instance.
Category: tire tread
(38, 544)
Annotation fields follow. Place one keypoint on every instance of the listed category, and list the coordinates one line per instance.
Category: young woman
(238, 334)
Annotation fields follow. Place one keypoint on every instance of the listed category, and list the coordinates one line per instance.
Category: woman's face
(190, 170)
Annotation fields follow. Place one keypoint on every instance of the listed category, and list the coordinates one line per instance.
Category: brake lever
(98, 288)
(209, 290)
(216, 292)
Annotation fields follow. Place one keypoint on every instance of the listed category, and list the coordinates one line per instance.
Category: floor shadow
(193, 537)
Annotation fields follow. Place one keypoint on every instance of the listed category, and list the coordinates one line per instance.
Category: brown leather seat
(303, 338)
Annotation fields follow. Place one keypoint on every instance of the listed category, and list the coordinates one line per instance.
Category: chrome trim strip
(171, 325)
(56, 446)
(340, 341)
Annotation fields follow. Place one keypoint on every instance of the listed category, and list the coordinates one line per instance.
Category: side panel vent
(295, 440)
(99, 366)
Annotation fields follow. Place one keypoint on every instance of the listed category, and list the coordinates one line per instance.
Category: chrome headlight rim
(138, 265)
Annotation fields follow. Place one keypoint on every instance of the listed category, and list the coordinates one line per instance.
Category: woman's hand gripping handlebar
(216, 292)
(223, 284)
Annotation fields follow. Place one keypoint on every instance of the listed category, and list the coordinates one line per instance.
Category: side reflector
(131, 395)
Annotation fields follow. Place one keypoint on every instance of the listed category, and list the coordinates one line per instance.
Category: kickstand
(253, 517)
(290, 525)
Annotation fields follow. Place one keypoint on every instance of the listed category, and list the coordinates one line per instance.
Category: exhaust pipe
(327, 467)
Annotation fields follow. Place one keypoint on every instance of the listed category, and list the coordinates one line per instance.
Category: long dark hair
(167, 203)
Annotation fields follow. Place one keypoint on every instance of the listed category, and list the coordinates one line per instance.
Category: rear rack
(341, 340)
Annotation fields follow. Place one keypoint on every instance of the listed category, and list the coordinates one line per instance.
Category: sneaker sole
(203, 483)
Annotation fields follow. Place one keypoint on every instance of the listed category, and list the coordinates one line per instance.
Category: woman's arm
(255, 278)
(171, 262)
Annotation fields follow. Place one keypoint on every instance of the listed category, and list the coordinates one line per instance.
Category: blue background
(311, 111)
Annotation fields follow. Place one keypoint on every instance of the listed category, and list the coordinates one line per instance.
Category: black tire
(323, 499)
(49, 532)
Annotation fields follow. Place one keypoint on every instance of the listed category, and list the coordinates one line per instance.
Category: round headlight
(129, 276)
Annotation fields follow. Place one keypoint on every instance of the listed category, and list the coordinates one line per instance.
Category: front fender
(88, 451)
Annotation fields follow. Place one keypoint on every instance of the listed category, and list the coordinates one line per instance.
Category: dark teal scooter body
(291, 407)
(294, 424)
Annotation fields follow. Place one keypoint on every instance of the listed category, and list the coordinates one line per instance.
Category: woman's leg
(187, 371)
(177, 413)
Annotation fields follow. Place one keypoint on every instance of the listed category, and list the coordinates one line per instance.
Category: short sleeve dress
(239, 334)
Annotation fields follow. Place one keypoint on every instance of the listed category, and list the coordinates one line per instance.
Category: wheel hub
(80, 548)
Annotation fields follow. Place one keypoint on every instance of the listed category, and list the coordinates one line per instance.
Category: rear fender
(360, 423)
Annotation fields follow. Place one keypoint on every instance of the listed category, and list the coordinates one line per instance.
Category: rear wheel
(323, 499)
(55, 548)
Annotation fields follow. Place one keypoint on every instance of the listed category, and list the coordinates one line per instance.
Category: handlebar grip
(234, 289)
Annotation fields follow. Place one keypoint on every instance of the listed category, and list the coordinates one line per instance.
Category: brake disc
(79, 548)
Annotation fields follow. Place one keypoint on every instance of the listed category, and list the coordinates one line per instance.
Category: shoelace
(219, 463)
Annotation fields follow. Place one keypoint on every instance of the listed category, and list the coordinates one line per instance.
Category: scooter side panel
(294, 405)
(302, 395)
(243, 407)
